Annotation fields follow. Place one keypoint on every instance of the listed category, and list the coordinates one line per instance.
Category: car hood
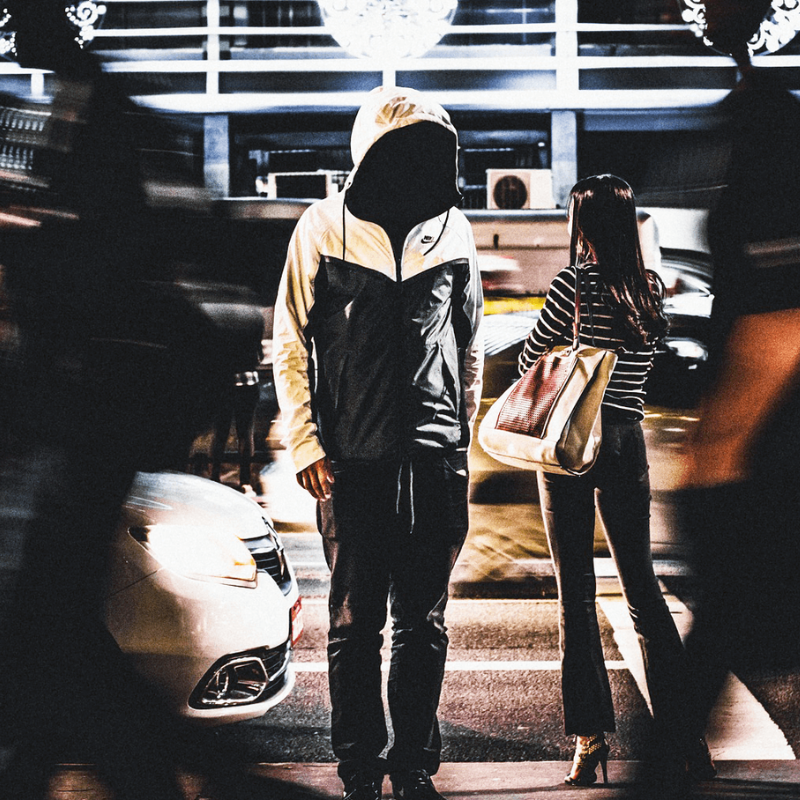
(182, 499)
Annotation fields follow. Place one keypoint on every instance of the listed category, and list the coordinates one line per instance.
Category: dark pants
(744, 554)
(68, 688)
(619, 484)
(392, 532)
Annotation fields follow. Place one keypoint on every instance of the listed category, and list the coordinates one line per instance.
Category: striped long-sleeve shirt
(554, 327)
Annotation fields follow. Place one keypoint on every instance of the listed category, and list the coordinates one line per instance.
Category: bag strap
(576, 322)
(576, 318)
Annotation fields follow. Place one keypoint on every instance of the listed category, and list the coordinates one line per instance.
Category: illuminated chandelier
(387, 30)
(778, 28)
(85, 17)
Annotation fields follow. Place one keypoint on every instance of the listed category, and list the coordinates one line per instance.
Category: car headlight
(203, 553)
(687, 348)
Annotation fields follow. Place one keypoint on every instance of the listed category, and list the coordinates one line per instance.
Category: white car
(202, 597)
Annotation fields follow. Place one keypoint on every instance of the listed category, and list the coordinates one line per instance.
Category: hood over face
(405, 151)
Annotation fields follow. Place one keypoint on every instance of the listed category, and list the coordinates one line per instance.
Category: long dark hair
(605, 230)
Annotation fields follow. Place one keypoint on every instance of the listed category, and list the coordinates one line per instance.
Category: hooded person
(378, 364)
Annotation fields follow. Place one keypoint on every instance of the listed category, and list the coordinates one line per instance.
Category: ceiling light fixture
(387, 30)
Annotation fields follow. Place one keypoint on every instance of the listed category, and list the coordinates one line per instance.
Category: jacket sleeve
(473, 355)
(292, 358)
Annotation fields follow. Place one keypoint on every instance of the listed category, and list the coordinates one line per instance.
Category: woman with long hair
(621, 310)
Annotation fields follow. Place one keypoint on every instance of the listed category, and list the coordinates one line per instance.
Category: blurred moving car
(680, 361)
(521, 252)
(203, 598)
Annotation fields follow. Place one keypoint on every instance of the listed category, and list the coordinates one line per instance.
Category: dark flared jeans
(392, 531)
(619, 485)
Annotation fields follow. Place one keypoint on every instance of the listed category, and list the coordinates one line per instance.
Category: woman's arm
(554, 325)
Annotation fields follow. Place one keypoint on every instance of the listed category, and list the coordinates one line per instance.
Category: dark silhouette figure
(377, 368)
(739, 507)
(107, 368)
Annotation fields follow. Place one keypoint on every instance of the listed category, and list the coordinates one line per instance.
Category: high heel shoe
(699, 763)
(589, 752)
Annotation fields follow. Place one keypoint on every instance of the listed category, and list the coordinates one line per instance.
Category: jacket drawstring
(344, 228)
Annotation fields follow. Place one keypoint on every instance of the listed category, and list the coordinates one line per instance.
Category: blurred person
(240, 409)
(730, 24)
(621, 310)
(738, 509)
(377, 365)
(740, 505)
(239, 405)
(110, 370)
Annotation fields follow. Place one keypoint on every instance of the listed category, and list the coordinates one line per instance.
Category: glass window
(131, 16)
(628, 12)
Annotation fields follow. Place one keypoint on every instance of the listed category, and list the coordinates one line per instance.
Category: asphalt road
(500, 701)
(500, 710)
(501, 696)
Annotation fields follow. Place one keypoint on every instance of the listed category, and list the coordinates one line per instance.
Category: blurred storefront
(542, 91)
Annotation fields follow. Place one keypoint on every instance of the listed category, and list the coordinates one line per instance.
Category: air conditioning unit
(296, 185)
(510, 189)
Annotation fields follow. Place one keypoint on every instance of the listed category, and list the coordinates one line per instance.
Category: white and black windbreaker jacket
(378, 355)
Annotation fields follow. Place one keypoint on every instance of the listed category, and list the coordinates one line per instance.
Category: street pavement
(737, 780)
(753, 758)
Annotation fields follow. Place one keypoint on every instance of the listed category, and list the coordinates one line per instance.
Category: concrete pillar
(217, 152)
(563, 154)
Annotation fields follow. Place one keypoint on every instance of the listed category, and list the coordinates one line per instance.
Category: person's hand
(317, 479)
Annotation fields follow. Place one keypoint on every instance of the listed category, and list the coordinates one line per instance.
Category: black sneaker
(414, 785)
(363, 786)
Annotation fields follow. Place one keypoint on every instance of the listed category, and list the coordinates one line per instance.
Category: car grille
(276, 662)
(270, 559)
(270, 562)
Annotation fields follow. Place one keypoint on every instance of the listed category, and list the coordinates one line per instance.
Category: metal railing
(203, 56)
